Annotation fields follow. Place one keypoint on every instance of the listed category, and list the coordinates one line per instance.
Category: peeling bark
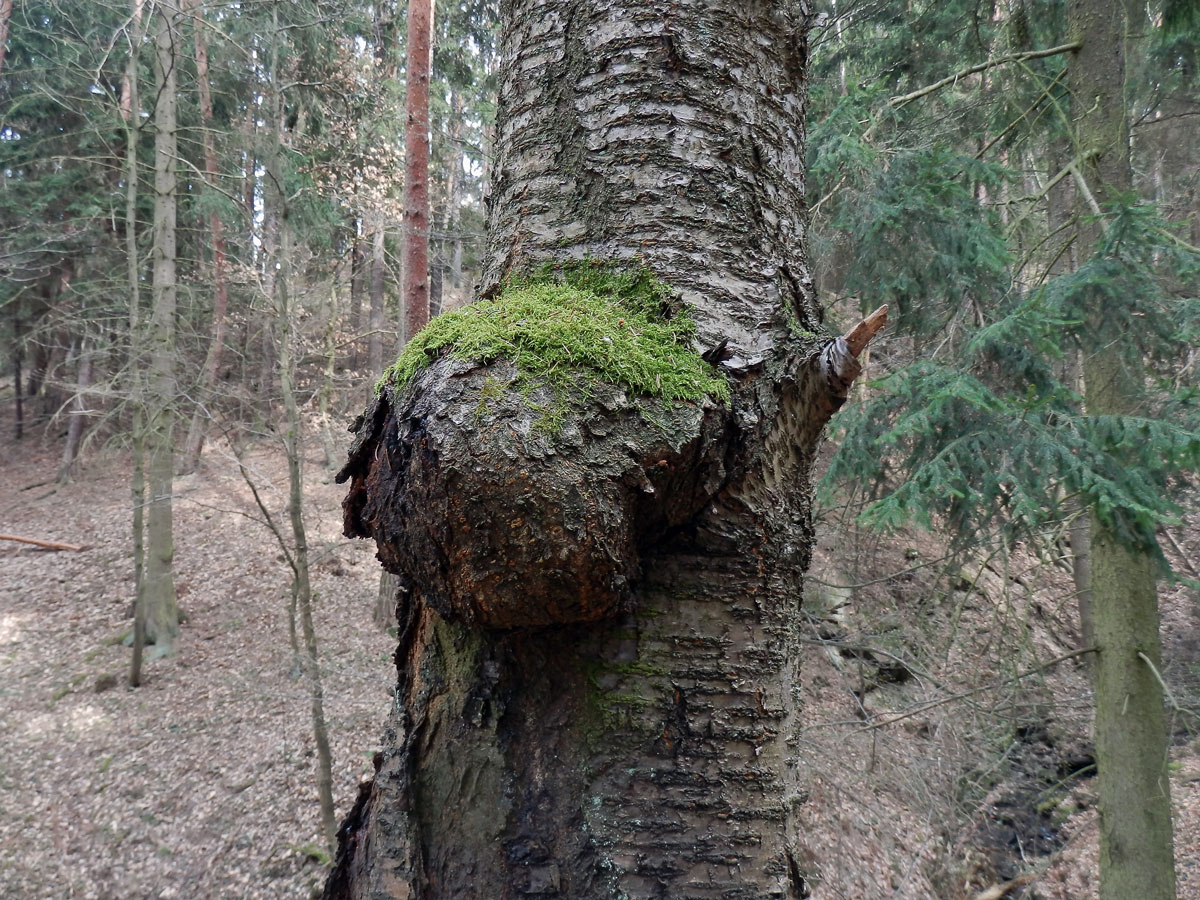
(598, 659)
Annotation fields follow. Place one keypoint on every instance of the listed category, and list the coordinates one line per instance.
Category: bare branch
(897, 102)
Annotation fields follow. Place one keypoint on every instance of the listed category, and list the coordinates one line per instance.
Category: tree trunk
(162, 615)
(452, 216)
(599, 654)
(416, 168)
(325, 394)
(281, 263)
(137, 433)
(212, 361)
(378, 269)
(357, 267)
(375, 220)
(18, 388)
(1131, 739)
(78, 412)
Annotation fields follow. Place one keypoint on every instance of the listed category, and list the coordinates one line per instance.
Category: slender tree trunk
(18, 388)
(310, 662)
(450, 255)
(281, 264)
(325, 393)
(375, 220)
(599, 646)
(129, 103)
(212, 361)
(378, 269)
(357, 268)
(162, 615)
(75, 427)
(416, 168)
(1136, 858)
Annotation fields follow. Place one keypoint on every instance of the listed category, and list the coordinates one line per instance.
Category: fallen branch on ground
(48, 545)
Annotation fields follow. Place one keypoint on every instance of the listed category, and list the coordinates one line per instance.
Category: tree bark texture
(162, 615)
(1136, 858)
(416, 168)
(598, 656)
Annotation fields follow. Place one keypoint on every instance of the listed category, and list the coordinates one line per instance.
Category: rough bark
(598, 655)
(162, 615)
(1131, 738)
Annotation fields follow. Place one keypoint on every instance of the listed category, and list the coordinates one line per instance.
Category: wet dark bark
(598, 656)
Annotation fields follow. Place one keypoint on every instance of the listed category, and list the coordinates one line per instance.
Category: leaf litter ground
(200, 784)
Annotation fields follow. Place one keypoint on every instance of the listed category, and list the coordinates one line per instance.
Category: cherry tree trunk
(597, 691)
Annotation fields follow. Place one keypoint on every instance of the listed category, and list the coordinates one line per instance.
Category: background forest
(202, 234)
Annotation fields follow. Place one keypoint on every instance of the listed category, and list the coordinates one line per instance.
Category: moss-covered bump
(583, 320)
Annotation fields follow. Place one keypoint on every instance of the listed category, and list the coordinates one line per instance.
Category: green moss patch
(581, 320)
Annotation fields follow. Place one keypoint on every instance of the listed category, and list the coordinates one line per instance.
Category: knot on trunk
(510, 505)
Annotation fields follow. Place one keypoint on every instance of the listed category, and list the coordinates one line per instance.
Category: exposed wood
(37, 542)
(864, 332)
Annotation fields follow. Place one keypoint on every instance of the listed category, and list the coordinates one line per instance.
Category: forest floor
(200, 784)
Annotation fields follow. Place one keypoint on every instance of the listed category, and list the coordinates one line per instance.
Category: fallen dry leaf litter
(200, 784)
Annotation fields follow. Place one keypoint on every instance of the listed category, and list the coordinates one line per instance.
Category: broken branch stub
(839, 358)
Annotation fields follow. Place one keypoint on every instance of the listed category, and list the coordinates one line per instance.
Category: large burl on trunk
(598, 643)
